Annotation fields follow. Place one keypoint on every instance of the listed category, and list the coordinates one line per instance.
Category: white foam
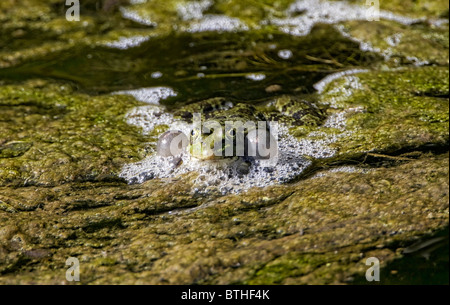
(148, 117)
(135, 16)
(387, 53)
(322, 84)
(364, 45)
(127, 42)
(343, 169)
(336, 120)
(193, 9)
(156, 74)
(285, 54)
(218, 23)
(439, 22)
(394, 40)
(330, 12)
(417, 62)
(293, 159)
(150, 95)
(256, 76)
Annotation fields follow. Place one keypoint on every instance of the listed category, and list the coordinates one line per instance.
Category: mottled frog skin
(287, 109)
(294, 111)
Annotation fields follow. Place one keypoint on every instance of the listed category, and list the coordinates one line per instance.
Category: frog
(201, 143)
(173, 126)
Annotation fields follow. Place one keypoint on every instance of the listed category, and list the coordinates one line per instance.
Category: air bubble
(156, 74)
(285, 54)
(172, 143)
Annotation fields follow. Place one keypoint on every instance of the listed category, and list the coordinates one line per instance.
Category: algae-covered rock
(320, 230)
(387, 111)
(416, 44)
(377, 176)
(52, 135)
(414, 8)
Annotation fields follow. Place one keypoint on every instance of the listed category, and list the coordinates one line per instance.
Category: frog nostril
(171, 143)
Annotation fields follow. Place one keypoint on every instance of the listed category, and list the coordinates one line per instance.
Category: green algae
(415, 8)
(250, 11)
(47, 126)
(315, 231)
(405, 44)
(39, 28)
(62, 146)
(407, 108)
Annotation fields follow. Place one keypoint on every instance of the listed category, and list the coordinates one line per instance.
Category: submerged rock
(52, 135)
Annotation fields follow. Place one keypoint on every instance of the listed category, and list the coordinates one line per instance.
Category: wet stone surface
(362, 108)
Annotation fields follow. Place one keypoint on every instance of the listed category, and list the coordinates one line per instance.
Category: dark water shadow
(202, 65)
(427, 263)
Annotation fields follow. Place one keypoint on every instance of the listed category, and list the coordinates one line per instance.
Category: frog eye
(171, 143)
